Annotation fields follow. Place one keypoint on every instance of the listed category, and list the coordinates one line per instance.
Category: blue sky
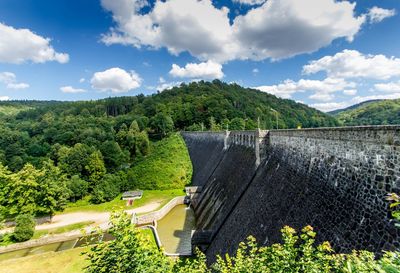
(325, 53)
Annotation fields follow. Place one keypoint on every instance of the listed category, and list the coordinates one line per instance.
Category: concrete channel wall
(152, 217)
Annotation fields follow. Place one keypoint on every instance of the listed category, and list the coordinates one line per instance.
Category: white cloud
(2, 98)
(389, 87)
(70, 89)
(10, 80)
(167, 85)
(353, 64)
(266, 31)
(207, 70)
(255, 70)
(21, 45)
(82, 80)
(322, 89)
(376, 14)
(250, 2)
(330, 106)
(115, 80)
(350, 92)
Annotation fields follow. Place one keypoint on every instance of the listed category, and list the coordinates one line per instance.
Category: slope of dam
(334, 179)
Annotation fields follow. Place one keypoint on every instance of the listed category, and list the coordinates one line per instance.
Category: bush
(24, 227)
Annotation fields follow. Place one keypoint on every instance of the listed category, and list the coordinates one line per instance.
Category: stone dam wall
(334, 179)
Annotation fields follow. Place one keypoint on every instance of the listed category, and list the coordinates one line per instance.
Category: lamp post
(276, 115)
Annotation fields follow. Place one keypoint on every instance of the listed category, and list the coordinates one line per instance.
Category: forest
(378, 112)
(54, 152)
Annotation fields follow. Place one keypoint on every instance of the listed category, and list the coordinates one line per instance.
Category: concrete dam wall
(334, 179)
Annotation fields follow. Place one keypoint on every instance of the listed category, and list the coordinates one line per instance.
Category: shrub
(24, 227)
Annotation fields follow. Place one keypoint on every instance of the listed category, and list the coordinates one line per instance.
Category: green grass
(149, 196)
(167, 167)
(41, 233)
(69, 261)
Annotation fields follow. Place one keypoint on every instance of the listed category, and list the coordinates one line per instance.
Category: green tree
(237, 124)
(129, 252)
(52, 192)
(214, 126)
(77, 187)
(107, 189)
(24, 191)
(113, 155)
(95, 168)
(24, 227)
(162, 124)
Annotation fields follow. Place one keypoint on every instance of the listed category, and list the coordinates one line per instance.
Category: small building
(129, 196)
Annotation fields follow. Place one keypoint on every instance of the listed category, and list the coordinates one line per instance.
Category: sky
(324, 53)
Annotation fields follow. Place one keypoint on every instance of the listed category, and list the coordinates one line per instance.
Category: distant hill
(195, 104)
(379, 112)
(336, 112)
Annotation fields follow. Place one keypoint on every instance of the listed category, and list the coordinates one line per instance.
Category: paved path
(99, 218)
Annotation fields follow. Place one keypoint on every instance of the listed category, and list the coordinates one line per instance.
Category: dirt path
(99, 218)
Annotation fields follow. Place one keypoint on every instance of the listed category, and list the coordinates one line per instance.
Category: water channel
(174, 231)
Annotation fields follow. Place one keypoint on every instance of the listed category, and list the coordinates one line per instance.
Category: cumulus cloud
(82, 80)
(323, 89)
(2, 98)
(115, 80)
(353, 64)
(21, 45)
(207, 70)
(250, 2)
(350, 92)
(330, 106)
(390, 87)
(70, 89)
(266, 31)
(376, 14)
(10, 80)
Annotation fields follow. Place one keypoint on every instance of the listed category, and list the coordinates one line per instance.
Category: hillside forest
(52, 153)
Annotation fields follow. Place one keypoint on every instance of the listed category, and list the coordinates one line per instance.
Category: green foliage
(129, 252)
(162, 124)
(24, 227)
(114, 157)
(237, 124)
(395, 205)
(168, 166)
(298, 253)
(32, 191)
(379, 112)
(78, 187)
(107, 189)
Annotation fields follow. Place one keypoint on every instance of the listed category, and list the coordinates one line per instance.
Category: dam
(256, 182)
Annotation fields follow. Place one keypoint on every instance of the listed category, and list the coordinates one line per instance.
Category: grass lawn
(68, 261)
(149, 196)
(41, 233)
(168, 166)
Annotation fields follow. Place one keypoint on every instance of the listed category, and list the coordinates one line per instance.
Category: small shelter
(129, 196)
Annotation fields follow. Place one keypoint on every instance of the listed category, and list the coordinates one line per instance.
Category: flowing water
(175, 230)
